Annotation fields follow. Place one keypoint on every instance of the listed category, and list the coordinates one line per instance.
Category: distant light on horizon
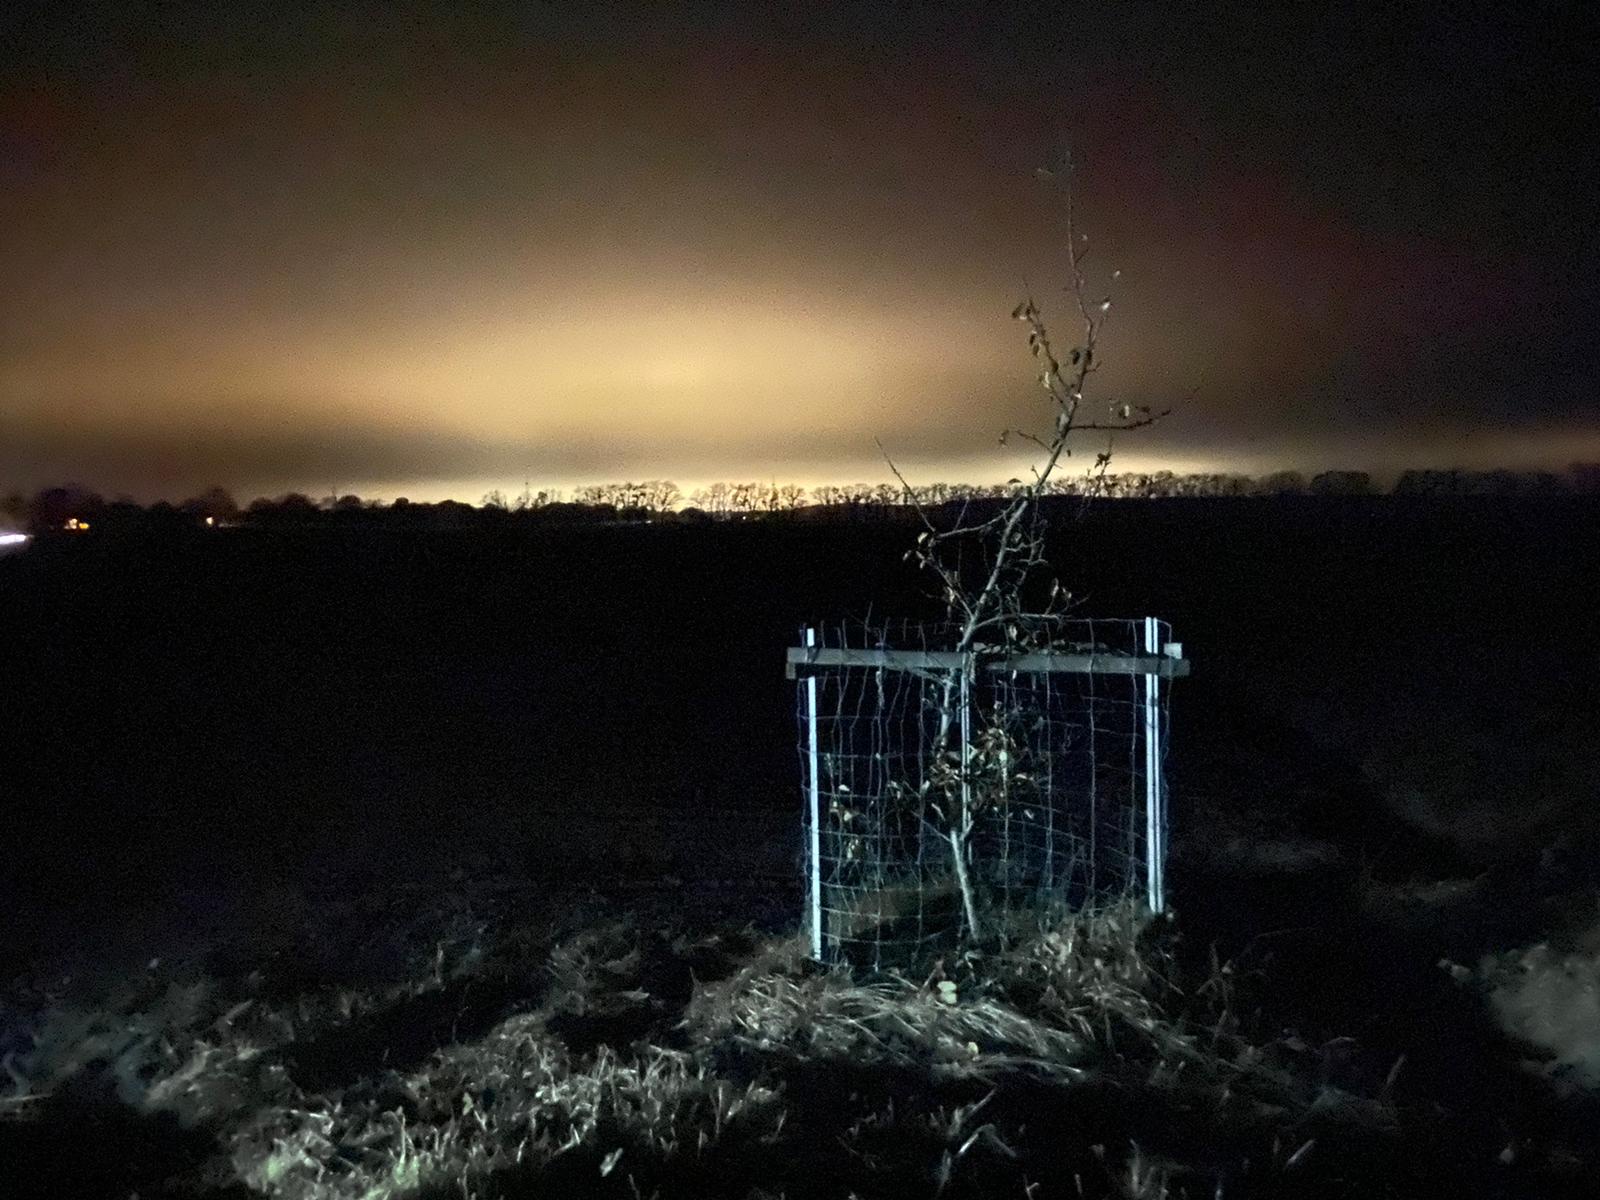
(1384, 459)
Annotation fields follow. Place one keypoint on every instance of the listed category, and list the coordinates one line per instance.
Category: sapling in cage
(974, 767)
(1056, 773)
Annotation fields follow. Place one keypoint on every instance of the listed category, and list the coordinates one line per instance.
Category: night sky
(413, 250)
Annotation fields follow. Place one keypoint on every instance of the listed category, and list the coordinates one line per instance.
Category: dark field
(1384, 760)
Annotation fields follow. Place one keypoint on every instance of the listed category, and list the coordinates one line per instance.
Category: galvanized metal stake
(814, 855)
(1155, 831)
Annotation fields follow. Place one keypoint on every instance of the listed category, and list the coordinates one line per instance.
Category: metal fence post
(814, 851)
(1155, 832)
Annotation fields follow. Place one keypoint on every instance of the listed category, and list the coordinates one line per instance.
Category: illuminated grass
(585, 1056)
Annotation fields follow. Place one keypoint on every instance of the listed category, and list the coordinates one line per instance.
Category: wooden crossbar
(1082, 663)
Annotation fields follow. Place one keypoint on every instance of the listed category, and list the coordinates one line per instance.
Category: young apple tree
(999, 593)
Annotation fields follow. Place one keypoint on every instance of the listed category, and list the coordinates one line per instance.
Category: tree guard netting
(1052, 760)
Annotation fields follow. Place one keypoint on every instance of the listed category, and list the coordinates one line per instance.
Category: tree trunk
(958, 845)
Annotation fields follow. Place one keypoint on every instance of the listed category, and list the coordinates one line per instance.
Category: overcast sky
(410, 251)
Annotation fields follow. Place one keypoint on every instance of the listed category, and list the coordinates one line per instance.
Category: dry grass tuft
(499, 1116)
(630, 1060)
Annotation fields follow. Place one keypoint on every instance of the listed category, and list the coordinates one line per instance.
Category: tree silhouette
(52, 509)
(215, 503)
(1341, 483)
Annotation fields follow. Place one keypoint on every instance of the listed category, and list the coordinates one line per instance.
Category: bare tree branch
(1012, 545)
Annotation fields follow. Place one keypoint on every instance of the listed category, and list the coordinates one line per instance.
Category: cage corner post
(1154, 779)
(814, 800)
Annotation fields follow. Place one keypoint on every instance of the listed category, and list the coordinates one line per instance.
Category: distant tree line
(69, 508)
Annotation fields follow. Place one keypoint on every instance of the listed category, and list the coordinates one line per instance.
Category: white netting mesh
(1055, 763)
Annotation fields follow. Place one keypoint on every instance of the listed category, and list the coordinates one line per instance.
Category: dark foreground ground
(333, 857)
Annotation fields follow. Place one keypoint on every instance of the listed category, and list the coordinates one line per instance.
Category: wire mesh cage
(944, 789)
